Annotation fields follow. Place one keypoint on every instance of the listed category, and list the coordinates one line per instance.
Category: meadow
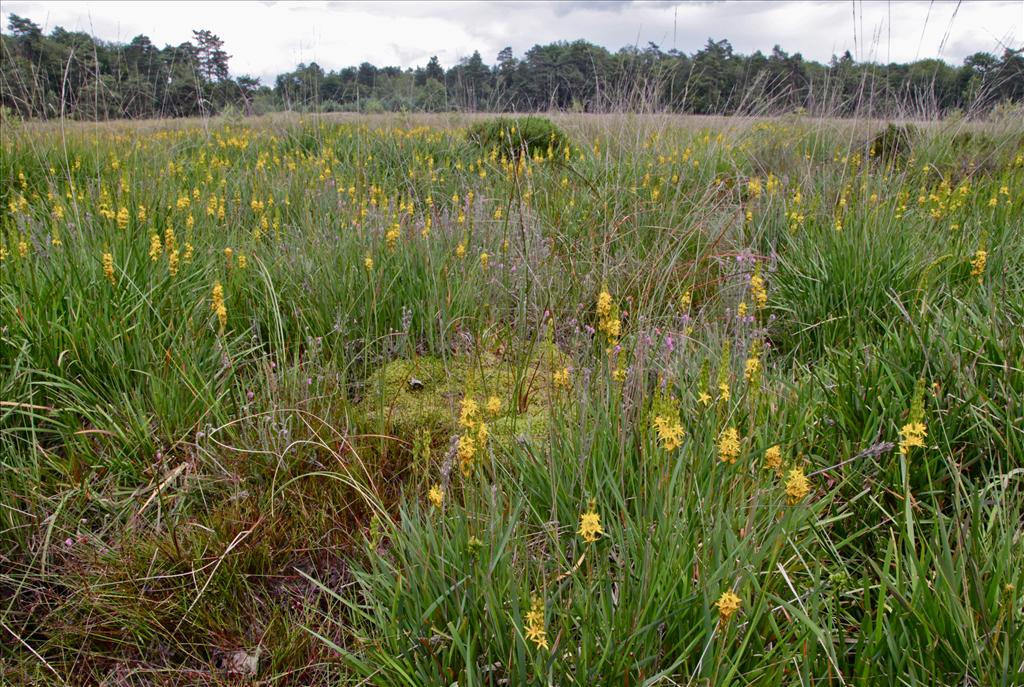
(438, 400)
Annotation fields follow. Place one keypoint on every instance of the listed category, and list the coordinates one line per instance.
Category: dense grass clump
(659, 401)
(513, 137)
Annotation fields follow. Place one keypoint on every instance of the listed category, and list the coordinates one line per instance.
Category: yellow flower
(670, 432)
(108, 267)
(217, 305)
(484, 257)
(561, 378)
(242, 262)
(436, 495)
(685, 301)
(704, 398)
(467, 417)
(154, 247)
(728, 603)
(757, 291)
(535, 624)
(723, 391)
(604, 304)
(392, 237)
(978, 264)
(773, 458)
(797, 486)
(912, 434)
(122, 217)
(729, 445)
(466, 450)
(751, 369)
(368, 263)
(172, 263)
(460, 251)
(493, 405)
(590, 524)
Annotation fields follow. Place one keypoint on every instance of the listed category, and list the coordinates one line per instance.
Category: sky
(267, 38)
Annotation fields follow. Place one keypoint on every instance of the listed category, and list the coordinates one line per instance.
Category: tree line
(75, 75)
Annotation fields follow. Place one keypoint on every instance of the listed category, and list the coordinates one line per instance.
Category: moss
(409, 396)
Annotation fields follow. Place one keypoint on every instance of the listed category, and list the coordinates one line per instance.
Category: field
(617, 400)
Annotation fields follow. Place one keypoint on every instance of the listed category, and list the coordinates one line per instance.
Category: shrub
(894, 141)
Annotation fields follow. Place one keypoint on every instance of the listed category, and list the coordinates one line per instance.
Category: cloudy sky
(266, 38)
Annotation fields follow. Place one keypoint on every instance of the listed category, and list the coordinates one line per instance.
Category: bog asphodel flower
(154, 247)
(797, 486)
(728, 603)
(978, 264)
(108, 268)
(670, 432)
(590, 524)
(773, 458)
(436, 495)
(493, 405)
(912, 434)
(468, 413)
(561, 378)
(218, 306)
(535, 631)
(466, 450)
(729, 445)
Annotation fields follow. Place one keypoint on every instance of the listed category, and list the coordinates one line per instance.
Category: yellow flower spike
(108, 268)
(534, 625)
(728, 603)
(773, 458)
(590, 524)
(670, 432)
(797, 486)
(436, 495)
(729, 445)
(494, 405)
(468, 414)
(466, 450)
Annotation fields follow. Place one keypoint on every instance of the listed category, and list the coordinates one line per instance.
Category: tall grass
(185, 500)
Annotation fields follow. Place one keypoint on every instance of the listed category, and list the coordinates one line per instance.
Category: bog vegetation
(424, 401)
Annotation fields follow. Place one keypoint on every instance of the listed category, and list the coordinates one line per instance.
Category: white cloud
(266, 38)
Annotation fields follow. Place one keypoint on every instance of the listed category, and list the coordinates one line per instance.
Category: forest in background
(73, 74)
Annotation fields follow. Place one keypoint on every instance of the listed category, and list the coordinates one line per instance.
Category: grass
(296, 489)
